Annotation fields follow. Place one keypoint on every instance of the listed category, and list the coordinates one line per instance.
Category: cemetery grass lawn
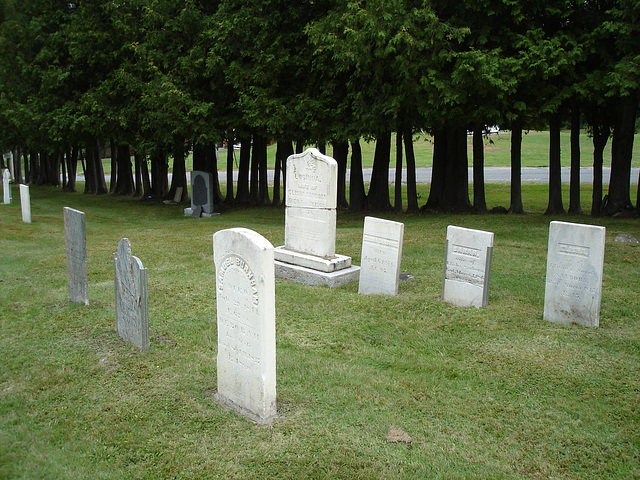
(483, 393)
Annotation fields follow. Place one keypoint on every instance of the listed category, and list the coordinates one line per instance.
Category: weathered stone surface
(626, 238)
(132, 316)
(75, 239)
(575, 260)
(25, 203)
(202, 191)
(308, 255)
(245, 304)
(381, 256)
(467, 267)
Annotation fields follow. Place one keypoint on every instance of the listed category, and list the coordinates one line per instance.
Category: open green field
(535, 151)
(483, 393)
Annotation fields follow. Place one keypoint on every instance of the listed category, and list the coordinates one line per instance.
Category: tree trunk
(147, 191)
(254, 179)
(285, 152)
(600, 138)
(619, 197)
(230, 165)
(397, 197)
(72, 169)
(555, 179)
(479, 199)
(27, 169)
(341, 155)
(516, 168)
(159, 174)
(574, 182)
(114, 166)
(378, 196)
(357, 198)
(139, 159)
(34, 170)
(412, 193)
(179, 177)
(124, 180)
(17, 165)
(242, 194)
(260, 157)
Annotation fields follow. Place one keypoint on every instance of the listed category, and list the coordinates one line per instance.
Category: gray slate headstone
(202, 191)
(132, 316)
(75, 239)
(626, 238)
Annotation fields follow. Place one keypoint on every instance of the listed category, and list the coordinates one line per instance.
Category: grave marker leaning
(245, 304)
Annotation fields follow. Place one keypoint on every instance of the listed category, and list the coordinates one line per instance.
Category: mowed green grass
(483, 393)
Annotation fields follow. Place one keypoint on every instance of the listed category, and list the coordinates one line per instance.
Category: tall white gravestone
(246, 313)
(6, 187)
(75, 240)
(25, 203)
(575, 261)
(381, 256)
(132, 315)
(467, 267)
(308, 255)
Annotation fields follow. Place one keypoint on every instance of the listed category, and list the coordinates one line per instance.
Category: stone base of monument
(312, 270)
(190, 212)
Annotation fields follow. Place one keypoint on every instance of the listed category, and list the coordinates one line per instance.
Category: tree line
(154, 79)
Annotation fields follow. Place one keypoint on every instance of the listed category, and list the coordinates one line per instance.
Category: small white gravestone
(25, 203)
(75, 239)
(381, 256)
(132, 316)
(245, 304)
(575, 261)
(308, 255)
(6, 187)
(467, 267)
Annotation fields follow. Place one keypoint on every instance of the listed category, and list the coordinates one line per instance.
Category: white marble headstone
(132, 315)
(6, 187)
(75, 239)
(381, 256)
(575, 260)
(245, 304)
(25, 203)
(467, 267)
(311, 200)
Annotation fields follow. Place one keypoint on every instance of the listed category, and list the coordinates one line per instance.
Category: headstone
(75, 239)
(381, 256)
(25, 203)
(575, 260)
(6, 187)
(626, 238)
(245, 304)
(308, 255)
(132, 316)
(467, 267)
(201, 195)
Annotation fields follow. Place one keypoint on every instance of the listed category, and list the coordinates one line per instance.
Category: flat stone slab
(338, 262)
(309, 276)
(188, 212)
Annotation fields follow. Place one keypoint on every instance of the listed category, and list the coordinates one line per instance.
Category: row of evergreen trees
(154, 78)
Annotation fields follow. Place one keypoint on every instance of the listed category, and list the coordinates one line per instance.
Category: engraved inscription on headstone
(6, 187)
(381, 256)
(245, 304)
(575, 260)
(467, 267)
(75, 239)
(309, 252)
(132, 316)
(25, 203)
